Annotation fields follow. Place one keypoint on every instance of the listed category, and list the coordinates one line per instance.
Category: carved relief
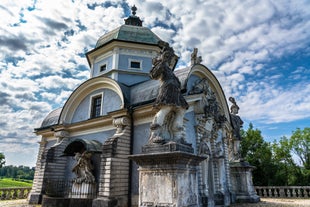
(210, 121)
(208, 104)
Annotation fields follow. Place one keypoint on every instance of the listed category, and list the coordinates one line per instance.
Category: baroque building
(85, 146)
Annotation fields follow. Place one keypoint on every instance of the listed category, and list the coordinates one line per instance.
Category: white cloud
(42, 43)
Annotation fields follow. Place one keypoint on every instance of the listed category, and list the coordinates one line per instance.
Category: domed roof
(51, 118)
(129, 33)
(132, 31)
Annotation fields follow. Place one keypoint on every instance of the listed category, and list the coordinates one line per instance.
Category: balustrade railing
(283, 191)
(14, 193)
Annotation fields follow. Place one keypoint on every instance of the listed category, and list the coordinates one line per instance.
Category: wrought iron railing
(14, 193)
(283, 191)
(69, 189)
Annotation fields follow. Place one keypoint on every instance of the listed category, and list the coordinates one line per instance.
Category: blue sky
(258, 50)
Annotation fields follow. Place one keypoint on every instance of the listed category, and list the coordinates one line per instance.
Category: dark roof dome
(52, 118)
(131, 31)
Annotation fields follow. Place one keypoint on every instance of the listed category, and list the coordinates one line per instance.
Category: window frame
(106, 67)
(134, 60)
(92, 113)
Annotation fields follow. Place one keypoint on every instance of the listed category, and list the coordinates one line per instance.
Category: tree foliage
(300, 142)
(257, 152)
(20, 172)
(275, 163)
(2, 159)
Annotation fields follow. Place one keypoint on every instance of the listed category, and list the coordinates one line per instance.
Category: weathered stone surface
(168, 179)
(241, 178)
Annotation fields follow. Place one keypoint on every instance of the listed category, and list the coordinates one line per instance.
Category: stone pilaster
(227, 171)
(56, 163)
(35, 195)
(50, 165)
(114, 172)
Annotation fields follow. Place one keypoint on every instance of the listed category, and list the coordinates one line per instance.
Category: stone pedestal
(167, 178)
(242, 184)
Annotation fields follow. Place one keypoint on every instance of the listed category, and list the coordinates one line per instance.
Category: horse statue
(167, 124)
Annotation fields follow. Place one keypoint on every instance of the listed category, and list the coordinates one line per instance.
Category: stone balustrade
(283, 191)
(14, 193)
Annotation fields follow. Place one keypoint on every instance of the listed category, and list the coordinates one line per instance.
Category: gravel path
(265, 202)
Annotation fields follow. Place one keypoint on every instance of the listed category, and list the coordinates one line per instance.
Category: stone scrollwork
(120, 124)
(60, 135)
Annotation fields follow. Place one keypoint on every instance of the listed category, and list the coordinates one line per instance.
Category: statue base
(167, 177)
(242, 185)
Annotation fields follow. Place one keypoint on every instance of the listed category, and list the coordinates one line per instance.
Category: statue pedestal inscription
(167, 178)
(241, 179)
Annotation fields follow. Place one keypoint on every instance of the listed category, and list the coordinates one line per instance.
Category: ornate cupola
(133, 19)
(125, 53)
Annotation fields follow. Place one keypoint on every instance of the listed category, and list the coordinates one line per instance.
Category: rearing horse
(168, 121)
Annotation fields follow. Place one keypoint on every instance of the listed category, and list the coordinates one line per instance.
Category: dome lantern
(133, 19)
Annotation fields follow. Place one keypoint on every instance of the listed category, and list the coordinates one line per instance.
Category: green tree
(2, 159)
(276, 163)
(286, 169)
(259, 154)
(300, 141)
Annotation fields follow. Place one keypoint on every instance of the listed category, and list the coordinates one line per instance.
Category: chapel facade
(85, 146)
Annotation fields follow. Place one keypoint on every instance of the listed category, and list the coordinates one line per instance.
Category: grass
(11, 183)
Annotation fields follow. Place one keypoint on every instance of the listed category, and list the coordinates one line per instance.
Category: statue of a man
(237, 123)
(194, 58)
(168, 121)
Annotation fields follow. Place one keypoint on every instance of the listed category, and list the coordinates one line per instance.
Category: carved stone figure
(83, 168)
(235, 119)
(168, 122)
(194, 58)
(236, 124)
(205, 151)
(219, 152)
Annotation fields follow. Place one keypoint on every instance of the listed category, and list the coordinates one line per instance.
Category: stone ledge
(167, 147)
